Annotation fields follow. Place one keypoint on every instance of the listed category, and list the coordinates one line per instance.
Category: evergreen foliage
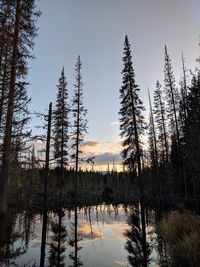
(79, 115)
(61, 123)
(131, 118)
(159, 111)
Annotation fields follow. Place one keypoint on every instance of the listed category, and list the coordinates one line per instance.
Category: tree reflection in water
(73, 241)
(58, 240)
(13, 240)
(134, 241)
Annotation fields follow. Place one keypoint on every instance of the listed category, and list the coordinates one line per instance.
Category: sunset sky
(95, 29)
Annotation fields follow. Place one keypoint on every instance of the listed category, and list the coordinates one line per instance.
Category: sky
(95, 30)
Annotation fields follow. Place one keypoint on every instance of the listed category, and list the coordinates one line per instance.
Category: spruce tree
(172, 96)
(61, 123)
(22, 19)
(79, 130)
(152, 139)
(131, 118)
(79, 115)
(161, 123)
(192, 132)
(132, 128)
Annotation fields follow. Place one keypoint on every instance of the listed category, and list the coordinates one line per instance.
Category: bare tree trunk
(44, 223)
(77, 171)
(3, 88)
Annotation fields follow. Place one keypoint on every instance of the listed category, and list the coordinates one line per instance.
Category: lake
(107, 235)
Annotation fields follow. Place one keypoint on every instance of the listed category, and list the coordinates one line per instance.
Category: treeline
(169, 165)
(173, 155)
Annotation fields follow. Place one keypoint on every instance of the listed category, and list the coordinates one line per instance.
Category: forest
(158, 188)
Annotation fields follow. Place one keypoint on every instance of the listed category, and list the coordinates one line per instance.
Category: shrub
(181, 233)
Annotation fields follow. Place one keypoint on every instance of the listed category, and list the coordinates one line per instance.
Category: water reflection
(105, 235)
(14, 237)
(57, 245)
(134, 244)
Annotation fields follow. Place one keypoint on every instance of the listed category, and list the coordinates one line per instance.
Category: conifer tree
(132, 128)
(22, 19)
(61, 123)
(152, 138)
(131, 118)
(79, 114)
(192, 131)
(183, 97)
(172, 96)
(160, 119)
(79, 130)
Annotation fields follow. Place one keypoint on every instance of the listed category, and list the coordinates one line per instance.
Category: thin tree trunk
(184, 99)
(174, 111)
(3, 88)
(164, 128)
(59, 234)
(76, 170)
(44, 224)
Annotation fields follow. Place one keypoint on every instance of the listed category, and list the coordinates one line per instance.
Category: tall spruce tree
(172, 96)
(61, 123)
(132, 128)
(79, 130)
(22, 19)
(183, 97)
(192, 133)
(161, 123)
(152, 138)
(131, 118)
(79, 114)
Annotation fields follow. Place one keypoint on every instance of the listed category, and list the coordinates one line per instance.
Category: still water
(108, 235)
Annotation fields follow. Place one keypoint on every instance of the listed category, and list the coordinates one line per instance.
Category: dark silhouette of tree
(160, 120)
(132, 127)
(192, 132)
(79, 114)
(75, 237)
(22, 19)
(45, 197)
(21, 118)
(131, 118)
(152, 139)
(61, 123)
(134, 244)
(172, 96)
(58, 243)
(79, 129)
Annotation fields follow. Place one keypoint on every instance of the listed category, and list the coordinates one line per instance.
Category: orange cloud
(89, 147)
(115, 146)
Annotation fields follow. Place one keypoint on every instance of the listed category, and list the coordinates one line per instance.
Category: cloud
(92, 143)
(107, 157)
(115, 147)
(91, 146)
(121, 262)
